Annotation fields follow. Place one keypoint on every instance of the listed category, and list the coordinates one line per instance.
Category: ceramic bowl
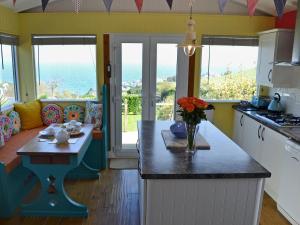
(179, 129)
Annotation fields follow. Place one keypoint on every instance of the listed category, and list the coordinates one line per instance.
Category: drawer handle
(241, 120)
(262, 134)
(258, 132)
(269, 75)
(295, 158)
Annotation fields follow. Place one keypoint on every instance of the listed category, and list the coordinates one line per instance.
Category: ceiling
(264, 7)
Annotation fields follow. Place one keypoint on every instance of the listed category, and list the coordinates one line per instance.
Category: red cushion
(8, 155)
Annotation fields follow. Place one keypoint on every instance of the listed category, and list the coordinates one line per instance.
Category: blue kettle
(275, 105)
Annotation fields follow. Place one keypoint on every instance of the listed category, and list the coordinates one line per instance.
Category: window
(8, 70)
(228, 68)
(65, 67)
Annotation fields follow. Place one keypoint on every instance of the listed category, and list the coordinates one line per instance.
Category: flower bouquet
(191, 109)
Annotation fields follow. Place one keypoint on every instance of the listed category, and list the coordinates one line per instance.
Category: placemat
(174, 143)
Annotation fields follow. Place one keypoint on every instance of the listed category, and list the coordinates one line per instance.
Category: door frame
(115, 60)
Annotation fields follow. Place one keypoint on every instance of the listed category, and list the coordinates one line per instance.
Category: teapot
(62, 136)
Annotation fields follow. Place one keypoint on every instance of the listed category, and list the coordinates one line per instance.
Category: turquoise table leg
(53, 199)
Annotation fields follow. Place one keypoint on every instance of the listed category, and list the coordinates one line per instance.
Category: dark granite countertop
(292, 133)
(224, 160)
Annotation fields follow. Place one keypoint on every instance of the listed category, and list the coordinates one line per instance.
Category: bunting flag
(251, 4)
(139, 5)
(170, 3)
(222, 4)
(44, 4)
(77, 4)
(279, 4)
(107, 4)
(14, 2)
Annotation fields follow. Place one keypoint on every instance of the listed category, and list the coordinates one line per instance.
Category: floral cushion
(74, 112)
(15, 121)
(52, 113)
(6, 127)
(93, 114)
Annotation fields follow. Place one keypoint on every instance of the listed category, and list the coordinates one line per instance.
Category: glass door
(145, 84)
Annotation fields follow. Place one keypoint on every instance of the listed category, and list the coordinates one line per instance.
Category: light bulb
(189, 50)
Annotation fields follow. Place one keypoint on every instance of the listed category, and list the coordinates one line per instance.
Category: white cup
(73, 122)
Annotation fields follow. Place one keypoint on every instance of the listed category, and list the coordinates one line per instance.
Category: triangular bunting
(44, 4)
(108, 4)
(279, 4)
(77, 4)
(170, 3)
(139, 4)
(251, 4)
(14, 2)
(222, 4)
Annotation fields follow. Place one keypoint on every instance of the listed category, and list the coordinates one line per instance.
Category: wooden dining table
(51, 163)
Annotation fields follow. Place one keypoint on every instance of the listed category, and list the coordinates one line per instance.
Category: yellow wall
(100, 23)
(9, 21)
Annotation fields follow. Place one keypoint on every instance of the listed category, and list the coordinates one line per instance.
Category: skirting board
(286, 215)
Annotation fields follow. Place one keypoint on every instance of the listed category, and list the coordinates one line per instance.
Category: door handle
(258, 132)
(241, 120)
(262, 134)
(269, 75)
(295, 158)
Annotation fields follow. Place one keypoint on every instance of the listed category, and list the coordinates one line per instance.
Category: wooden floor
(113, 200)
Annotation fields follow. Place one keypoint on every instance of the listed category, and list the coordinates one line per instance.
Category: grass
(132, 122)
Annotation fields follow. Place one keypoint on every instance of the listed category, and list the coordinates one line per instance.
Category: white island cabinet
(220, 186)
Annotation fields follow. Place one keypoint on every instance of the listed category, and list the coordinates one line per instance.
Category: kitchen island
(220, 186)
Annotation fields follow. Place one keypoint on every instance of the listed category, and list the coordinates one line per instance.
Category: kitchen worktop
(290, 132)
(224, 159)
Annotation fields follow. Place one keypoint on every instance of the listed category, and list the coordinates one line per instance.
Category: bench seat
(8, 153)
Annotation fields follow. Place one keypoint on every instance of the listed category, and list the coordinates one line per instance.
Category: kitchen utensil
(275, 105)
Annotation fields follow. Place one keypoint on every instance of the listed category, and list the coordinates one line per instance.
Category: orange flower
(182, 101)
(190, 107)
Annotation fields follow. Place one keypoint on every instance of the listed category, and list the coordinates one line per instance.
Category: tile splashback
(290, 99)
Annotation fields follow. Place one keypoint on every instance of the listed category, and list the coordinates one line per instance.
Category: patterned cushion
(93, 114)
(16, 122)
(52, 113)
(74, 112)
(6, 127)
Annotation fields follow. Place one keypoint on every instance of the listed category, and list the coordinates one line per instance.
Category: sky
(233, 57)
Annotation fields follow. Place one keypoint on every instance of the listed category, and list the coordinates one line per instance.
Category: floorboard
(113, 200)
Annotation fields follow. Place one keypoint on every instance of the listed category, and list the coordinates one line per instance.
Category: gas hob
(280, 119)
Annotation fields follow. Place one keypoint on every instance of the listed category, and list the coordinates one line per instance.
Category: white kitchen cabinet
(238, 128)
(272, 154)
(275, 46)
(252, 138)
(264, 145)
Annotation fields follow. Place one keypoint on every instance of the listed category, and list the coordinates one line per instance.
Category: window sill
(222, 101)
(67, 100)
(7, 108)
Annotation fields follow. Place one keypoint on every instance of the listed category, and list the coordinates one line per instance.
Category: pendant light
(189, 44)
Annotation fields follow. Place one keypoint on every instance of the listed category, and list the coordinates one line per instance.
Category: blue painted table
(51, 163)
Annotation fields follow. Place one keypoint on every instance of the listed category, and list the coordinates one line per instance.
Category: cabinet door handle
(258, 132)
(262, 134)
(295, 158)
(241, 123)
(137, 146)
(269, 75)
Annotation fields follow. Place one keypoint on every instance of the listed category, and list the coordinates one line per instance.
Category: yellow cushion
(30, 114)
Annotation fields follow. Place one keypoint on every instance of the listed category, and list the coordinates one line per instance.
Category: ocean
(80, 78)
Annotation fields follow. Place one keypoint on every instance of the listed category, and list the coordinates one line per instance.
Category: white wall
(290, 99)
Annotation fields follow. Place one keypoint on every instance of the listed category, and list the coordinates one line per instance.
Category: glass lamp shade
(189, 50)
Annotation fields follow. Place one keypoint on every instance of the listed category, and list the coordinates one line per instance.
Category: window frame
(13, 43)
(98, 95)
(253, 42)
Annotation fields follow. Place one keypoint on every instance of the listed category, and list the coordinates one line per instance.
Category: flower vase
(191, 129)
